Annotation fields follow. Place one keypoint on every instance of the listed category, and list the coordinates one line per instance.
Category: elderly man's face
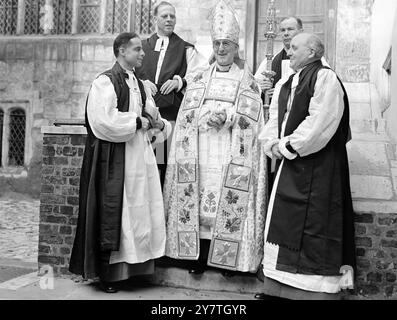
(288, 29)
(165, 20)
(299, 52)
(225, 51)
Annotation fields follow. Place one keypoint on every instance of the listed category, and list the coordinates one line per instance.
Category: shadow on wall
(29, 185)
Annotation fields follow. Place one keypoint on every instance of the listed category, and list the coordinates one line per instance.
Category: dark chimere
(16, 154)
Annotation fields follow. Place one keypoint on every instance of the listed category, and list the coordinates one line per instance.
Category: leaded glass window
(8, 16)
(16, 153)
(144, 16)
(33, 14)
(89, 16)
(56, 18)
(117, 16)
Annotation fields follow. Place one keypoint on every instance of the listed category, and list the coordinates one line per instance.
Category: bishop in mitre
(215, 187)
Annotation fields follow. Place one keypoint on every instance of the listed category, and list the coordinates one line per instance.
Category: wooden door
(318, 16)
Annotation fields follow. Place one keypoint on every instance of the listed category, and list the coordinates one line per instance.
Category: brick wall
(376, 242)
(62, 160)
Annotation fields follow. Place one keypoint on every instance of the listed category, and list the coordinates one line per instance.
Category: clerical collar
(223, 68)
(307, 65)
(162, 37)
(129, 73)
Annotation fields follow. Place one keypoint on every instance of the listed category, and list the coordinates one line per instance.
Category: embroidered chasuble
(215, 184)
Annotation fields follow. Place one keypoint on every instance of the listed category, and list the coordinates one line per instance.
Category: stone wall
(353, 40)
(384, 14)
(391, 113)
(59, 199)
(51, 75)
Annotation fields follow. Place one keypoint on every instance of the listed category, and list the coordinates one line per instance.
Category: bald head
(305, 48)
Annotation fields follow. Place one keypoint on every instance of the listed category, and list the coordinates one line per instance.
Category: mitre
(224, 23)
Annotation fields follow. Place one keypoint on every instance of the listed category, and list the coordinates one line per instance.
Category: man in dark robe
(121, 226)
(309, 236)
(289, 27)
(165, 69)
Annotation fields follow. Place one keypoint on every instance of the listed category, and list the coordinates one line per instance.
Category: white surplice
(325, 112)
(143, 224)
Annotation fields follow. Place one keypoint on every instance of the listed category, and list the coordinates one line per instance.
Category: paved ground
(19, 229)
(29, 287)
(19, 233)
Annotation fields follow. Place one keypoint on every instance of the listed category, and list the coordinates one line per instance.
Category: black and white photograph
(201, 158)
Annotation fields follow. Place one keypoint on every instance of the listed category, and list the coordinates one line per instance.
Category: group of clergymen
(216, 200)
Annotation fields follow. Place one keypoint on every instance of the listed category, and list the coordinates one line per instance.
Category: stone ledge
(210, 280)
(14, 173)
(371, 187)
(75, 130)
(365, 206)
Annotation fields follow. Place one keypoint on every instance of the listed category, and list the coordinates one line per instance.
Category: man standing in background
(289, 27)
(166, 67)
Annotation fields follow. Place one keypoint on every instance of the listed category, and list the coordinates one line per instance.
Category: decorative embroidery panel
(187, 204)
(249, 106)
(222, 89)
(238, 177)
(225, 254)
(235, 197)
(193, 98)
(187, 170)
(188, 244)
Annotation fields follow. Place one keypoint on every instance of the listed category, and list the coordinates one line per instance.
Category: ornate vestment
(215, 185)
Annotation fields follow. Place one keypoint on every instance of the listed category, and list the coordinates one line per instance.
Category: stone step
(374, 206)
(210, 280)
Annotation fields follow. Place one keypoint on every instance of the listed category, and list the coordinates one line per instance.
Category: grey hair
(315, 43)
(299, 22)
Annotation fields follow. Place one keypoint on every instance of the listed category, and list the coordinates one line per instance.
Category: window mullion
(131, 15)
(6, 135)
(75, 17)
(21, 17)
(102, 19)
